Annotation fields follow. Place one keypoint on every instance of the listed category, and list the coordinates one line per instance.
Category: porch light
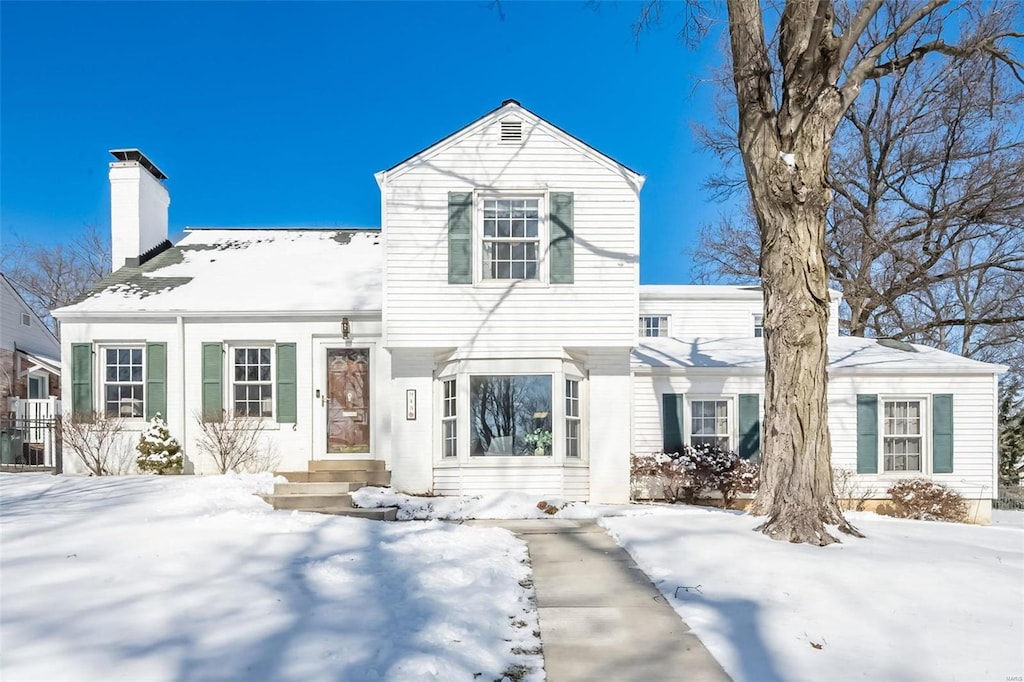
(345, 328)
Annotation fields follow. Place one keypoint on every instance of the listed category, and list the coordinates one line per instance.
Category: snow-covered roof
(845, 353)
(248, 270)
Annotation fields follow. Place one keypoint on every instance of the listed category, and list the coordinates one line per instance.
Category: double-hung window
(511, 238)
(758, 326)
(710, 423)
(572, 418)
(449, 420)
(123, 382)
(654, 325)
(252, 381)
(902, 435)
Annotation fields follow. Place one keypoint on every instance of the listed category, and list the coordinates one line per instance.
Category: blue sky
(278, 114)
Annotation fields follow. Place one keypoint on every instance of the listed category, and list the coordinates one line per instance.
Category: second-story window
(758, 326)
(654, 325)
(511, 238)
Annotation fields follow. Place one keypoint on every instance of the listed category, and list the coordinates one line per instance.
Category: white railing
(37, 410)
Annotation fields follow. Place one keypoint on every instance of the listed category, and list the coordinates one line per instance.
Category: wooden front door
(348, 400)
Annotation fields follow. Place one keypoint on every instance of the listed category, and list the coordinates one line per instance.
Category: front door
(347, 400)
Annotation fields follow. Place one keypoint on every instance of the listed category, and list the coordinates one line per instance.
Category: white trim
(642, 325)
(230, 347)
(731, 401)
(926, 435)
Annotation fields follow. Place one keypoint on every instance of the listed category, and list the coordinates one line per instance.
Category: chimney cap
(136, 155)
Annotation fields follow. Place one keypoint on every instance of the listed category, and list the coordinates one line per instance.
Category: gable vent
(512, 131)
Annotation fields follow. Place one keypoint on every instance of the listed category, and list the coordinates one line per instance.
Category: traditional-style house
(485, 338)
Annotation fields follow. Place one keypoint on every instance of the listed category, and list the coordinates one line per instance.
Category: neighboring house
(485, 338)
(29, 381)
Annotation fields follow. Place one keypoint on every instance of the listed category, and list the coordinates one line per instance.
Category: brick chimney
(138, 208)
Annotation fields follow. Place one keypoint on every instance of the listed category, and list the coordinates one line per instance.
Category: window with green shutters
(893, 434)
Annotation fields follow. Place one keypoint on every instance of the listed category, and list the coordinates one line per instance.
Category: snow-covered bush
(695, 471)
(919, 498)
(159, 452)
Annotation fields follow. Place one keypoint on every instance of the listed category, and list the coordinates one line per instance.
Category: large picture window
(511, 238)
(252, 382)
(709, 423)
(510, 415)
(123, 382)
(902, 440)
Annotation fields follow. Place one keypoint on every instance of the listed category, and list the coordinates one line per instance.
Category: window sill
(508, 462)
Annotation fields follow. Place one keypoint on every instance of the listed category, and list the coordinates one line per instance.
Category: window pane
(137, 373)
(510, 415)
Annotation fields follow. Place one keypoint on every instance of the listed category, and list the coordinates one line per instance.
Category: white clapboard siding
(599, 308)
(33, 337)
(974, 445)
(713, 311)
(292, 443)
(553, 481)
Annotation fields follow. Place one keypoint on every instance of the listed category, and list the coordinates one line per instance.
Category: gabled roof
(507, 107)
(261, 271)
(845, 354)
(17, 295)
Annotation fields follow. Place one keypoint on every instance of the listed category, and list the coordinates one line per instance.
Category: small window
(902, 440)
(123, 382)
(758, 326)
(511, 131)
(572, 418)
(26, 320)
(449, 421)
(511, 239)
(654, 325)
(709, 423)
(252, 382)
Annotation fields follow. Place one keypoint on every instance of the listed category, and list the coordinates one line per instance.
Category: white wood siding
(543, 481)
(974, 435)
(599, 308)
(699, 315)
(34, 338)
(294, 443)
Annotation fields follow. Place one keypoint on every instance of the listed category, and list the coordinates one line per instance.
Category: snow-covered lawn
(195, 578)
(916, 600)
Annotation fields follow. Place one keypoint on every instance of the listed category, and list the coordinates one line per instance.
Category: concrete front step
(309, 501)
(380, 514)
(346, 465)
(325, 488)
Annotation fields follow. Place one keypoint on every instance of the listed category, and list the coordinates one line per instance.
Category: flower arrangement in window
(540, 440)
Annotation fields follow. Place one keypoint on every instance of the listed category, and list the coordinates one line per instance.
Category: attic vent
(511, 131)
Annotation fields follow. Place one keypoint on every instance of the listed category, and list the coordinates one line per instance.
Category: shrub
(159, 452)
(235, 443)
(919, 498)
(844, 483)
(686, 475)
(95, 439)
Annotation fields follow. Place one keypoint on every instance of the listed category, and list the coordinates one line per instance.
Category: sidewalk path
(601, 618)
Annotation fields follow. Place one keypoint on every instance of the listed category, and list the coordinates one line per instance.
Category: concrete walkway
(601, 618)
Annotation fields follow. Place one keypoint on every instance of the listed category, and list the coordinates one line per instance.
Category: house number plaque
(410, 404)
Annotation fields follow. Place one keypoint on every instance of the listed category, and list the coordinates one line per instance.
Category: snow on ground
(915, 600)
(507, 505)
(189, 578)
(1008, 517)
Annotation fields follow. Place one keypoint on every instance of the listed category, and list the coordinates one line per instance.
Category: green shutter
(81, 380)
(156, 380)
(213, 399)
(672, 422)
(942, 434)
(286, 403)
(750, 426)
(460, 237)
(867, 434)
(562, 238)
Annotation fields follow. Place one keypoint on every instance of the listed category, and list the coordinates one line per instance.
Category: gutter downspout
(182, 421)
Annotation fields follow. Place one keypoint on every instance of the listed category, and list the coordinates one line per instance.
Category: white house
(485, 338)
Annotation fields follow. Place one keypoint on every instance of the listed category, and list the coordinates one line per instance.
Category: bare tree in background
(926, 232)
(51, 276)
(792, 93)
